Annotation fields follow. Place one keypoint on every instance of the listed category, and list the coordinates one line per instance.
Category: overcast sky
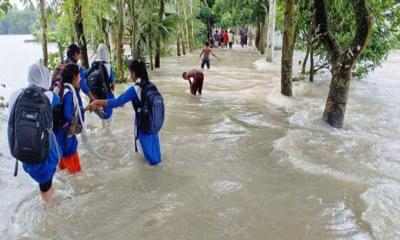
(18, 2)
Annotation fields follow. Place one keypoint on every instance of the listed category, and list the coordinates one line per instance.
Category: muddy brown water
(239, 162)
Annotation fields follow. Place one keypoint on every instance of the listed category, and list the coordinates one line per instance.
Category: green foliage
(18, 22)
(207, 16)
(239, 13)
(54, 61)
(385, 32)
(4, 7)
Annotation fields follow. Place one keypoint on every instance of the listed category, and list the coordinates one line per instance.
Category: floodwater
(239, 162)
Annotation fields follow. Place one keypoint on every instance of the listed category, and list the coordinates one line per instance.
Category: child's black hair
(70, 70)
(139, 68)
(207, 44)
(72, 50)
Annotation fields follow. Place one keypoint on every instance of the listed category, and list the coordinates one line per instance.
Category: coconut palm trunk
(158, 41)
(80, 34)
(43, 21)
(119, 41)
(271, 30)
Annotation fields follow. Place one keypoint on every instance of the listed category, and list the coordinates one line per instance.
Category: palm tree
(43, 21)
(158, 41)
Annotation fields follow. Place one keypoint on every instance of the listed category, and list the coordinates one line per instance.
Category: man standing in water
(216, 39)
(230, 38)
(195, 78)
(206, 56)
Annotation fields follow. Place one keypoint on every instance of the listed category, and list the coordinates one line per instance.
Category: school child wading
(30, 134)
(206, 55)
(73, 56)
(149, 108)
(101, 78)
(72, 119)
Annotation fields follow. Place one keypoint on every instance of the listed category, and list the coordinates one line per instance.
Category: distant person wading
(206, 55)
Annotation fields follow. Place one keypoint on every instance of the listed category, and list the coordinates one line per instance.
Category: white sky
(18, 2)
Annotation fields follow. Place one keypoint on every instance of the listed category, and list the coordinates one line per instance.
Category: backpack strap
(16, 168)
(138, 91)
(106, 75)
(136, 138)
(76, 103)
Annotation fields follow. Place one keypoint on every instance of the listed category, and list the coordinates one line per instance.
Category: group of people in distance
(46, 116)
(225, 38)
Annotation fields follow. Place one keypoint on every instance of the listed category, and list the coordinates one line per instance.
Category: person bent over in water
(195, 78)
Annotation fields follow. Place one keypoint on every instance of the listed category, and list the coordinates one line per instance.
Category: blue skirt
(150, 145)
(69, 145)
(43, 172)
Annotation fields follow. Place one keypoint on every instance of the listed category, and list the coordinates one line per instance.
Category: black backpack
(150, 112)
(98, 80)
(29, 126)
(56, 81)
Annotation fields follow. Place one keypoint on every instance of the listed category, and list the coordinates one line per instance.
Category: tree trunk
(43, 21)
(312, 61)
(183, 38)
(191, 33)
(103, 24)
(150, 44)
(183, 45)
(158, 42)
(335, 107)
(178, 45)
(304, 65)
(261, 41)
(178, 33)
(271, 30)
(209, 27)
(342, 62)
(264, 30)
(288, 48)
(186, 28)
(192, 25)
(133, 25)
(119, 43)
(112, 35)
(60, 52)
(71, 23)
(78, 23)
(151, 57)
(258, 35)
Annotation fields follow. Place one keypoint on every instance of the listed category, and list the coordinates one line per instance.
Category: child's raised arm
(214, 54)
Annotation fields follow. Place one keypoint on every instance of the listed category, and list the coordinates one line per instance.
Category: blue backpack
(151, 109)
(150, 112)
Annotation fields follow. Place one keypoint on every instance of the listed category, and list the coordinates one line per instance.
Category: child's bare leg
(48, 196)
